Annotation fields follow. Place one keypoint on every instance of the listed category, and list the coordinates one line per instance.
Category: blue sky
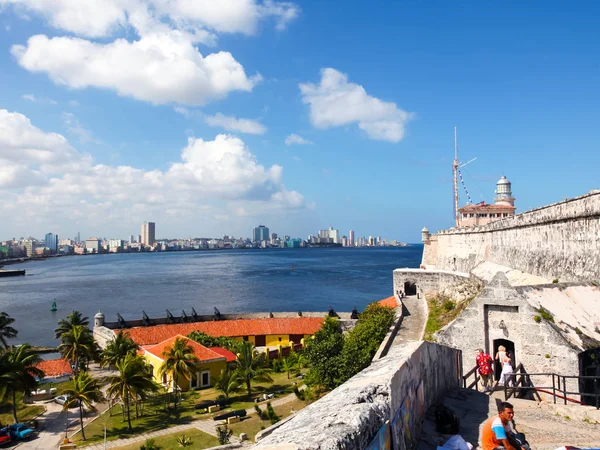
(118, 111)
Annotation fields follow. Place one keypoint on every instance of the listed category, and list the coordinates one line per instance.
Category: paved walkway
(413, 323)
(206, 425)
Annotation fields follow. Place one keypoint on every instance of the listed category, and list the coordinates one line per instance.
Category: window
(245, 338)
(205, 378)
(194, 380)
(164, 378)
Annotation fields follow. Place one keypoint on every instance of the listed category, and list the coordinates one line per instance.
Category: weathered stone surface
(349, 416)
(427, 280)
(561, 240)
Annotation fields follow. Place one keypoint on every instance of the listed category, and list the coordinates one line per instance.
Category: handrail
(474, 383)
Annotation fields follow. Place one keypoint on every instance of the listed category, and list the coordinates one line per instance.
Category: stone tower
(98, 320)
(504, 193)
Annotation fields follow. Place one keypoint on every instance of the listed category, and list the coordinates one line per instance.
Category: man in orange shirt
(494, 434)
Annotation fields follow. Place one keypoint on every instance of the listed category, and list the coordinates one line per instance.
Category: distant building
(482, 213)
(260, 233)
(51, 242)
(273, 238)
(131, 239)
(351, 243)
(78, 237)
(29, 249)
(148, 233)
(92, 245)
(139, 239)
(330, 236)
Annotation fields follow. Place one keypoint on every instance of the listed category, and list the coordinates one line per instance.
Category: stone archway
(589, 366)
(510, 347)
(410, 288)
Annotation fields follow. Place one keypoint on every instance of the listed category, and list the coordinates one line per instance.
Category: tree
(289, 363)
(72, 319)
(180, 361)
(302, 361)
(84, 391)
(118, 348)
(77, 345)
(228, 382)
(230, 344)
(134, 380)
(6, 331)
(250, 366)
(323, 353)
(18, 373)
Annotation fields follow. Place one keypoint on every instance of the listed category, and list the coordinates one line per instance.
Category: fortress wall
(561, 241)
(427, 280)
(415, 375)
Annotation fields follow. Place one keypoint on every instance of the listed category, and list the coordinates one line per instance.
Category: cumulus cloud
(336, 102)
(161, 68)
(44, 172)
(231, 123)
(295, 139)
(102, 18)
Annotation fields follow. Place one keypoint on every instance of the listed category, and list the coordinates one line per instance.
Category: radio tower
(455, 175)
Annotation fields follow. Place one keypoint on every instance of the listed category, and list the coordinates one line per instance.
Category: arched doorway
(589, 366)
(510, 347)
(410, 288)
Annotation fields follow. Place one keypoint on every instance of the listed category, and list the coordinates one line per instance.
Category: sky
(210, 118)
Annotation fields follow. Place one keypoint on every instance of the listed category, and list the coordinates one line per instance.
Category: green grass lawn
(156, 417)
(200, 440)
(24, 412)
(252, 424)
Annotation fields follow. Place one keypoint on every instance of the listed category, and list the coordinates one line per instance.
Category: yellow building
(209, 365)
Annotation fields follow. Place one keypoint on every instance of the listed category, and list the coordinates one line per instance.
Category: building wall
(350, 415)
(214, 367)
(427, 280)
(561, 241)
(479, 325)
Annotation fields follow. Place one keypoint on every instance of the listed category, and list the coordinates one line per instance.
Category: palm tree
(118, 348)
(249, 366)
(134, 380)
(85, 391)
(289, 363)
(180, 361)
(66, 325)
(77, 344)
(18, 373)
(6, 331)
(228, 382)
(301, 360)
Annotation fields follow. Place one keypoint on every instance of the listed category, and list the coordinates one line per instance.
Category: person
(507, 370)
(494, 434)
(485, 369)
(500, 354)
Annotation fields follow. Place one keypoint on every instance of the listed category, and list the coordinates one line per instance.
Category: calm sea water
(231, 280)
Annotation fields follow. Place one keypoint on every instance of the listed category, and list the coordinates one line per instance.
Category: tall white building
(148, 233)
(351, 243)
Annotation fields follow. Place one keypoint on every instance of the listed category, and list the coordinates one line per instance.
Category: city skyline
(280, 122)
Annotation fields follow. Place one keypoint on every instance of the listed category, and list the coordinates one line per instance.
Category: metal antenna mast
(455, 175)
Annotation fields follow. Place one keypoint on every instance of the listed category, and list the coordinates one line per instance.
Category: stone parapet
(427, 280)
(398, 388)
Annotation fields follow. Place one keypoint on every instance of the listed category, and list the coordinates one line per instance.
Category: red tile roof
(390, 301)
(230, 356)
(230, 328)
(204, 354)
(55, 367)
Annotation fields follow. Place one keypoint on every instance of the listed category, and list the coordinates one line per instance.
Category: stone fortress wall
(561, 240)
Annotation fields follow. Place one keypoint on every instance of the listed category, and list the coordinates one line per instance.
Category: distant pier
(11, 273)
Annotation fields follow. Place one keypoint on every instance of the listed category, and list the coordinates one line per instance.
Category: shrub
(577, 330)
(537, 318)
(271, 414)
(261, 414)
(448, 305)
(546, 315)
(224, 434)
(547, 355)
(277, 365)
(555, 281)
(149, 445)
(299, 393)
(184, 441)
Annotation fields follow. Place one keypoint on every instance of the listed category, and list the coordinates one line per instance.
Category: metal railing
(521, 381)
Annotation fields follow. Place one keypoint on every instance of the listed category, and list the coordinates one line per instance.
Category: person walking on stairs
(485, 369)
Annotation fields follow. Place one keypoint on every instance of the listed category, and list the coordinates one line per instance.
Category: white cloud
(76, 129)
(32, 98)
(294, 139)
(231, 123)
(40, 172)
(102, 18)
(160, 68)
(335, 102)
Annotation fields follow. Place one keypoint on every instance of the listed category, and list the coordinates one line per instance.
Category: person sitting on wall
(485, 369)
(494, 434)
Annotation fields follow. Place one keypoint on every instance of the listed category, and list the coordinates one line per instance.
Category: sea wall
(561, 240)
(390, 397)
(427, 280)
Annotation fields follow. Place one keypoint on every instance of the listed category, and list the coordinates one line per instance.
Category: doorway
(589, 366)
(410, 288)
(510, 347)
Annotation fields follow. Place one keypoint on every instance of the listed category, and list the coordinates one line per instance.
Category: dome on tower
(503, 180)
